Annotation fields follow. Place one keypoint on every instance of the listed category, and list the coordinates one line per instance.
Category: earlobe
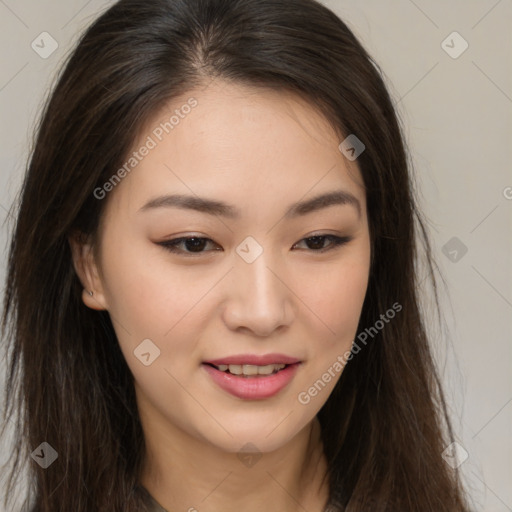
(86, 269)
(91, 301)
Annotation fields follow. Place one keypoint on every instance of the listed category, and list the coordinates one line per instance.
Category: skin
(261, 151)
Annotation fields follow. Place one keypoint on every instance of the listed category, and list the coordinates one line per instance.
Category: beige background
(457, 113)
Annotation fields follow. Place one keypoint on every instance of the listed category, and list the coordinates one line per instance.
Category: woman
(211, 294)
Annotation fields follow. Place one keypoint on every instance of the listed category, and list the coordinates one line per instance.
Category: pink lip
(255, 359)
(254, 387)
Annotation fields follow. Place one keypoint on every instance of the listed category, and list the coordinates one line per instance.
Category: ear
(86, 267)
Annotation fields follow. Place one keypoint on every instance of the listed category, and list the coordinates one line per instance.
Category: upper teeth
(250, 369)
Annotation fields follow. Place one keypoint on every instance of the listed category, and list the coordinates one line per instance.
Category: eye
(317, 242)
(196, 245)
(193, 244)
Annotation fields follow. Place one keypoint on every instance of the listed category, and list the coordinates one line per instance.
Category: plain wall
(457, 116)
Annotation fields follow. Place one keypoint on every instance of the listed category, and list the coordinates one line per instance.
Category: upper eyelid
(200, 237)
(193, 235)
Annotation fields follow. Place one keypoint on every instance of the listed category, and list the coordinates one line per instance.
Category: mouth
(252, 381)
(250, 370)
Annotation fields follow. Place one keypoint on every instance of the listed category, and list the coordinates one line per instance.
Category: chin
(257, 437)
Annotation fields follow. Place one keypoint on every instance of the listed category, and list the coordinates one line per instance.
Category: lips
(252, 388)
(254, 359)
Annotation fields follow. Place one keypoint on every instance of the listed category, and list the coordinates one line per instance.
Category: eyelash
(171, 245)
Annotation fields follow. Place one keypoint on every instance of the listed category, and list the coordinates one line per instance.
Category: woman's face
(247, 165)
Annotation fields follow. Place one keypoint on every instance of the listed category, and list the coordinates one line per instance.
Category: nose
(258, 299)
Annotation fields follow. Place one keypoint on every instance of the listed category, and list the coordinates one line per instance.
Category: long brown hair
(385, 424)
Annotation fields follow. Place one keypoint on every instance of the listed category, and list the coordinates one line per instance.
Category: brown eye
(316, 243)
(192, 245)
(196, 245)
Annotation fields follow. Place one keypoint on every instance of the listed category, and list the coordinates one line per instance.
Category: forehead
(235, 142)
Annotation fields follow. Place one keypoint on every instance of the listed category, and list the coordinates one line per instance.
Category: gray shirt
(154, 506)
(149, 501)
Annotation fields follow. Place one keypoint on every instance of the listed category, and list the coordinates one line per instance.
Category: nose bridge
(258, 297)
(259, 285)
(258, 277)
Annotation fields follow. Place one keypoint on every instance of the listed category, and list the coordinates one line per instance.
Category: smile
(251, 382)
(249, 370)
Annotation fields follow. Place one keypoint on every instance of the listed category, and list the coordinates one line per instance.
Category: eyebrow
(213, 207)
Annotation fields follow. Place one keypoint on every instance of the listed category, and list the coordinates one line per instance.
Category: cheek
(149, 296)
(150, 299)
(335, 294)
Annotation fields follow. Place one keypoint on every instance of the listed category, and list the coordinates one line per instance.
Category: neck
(183, 473)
